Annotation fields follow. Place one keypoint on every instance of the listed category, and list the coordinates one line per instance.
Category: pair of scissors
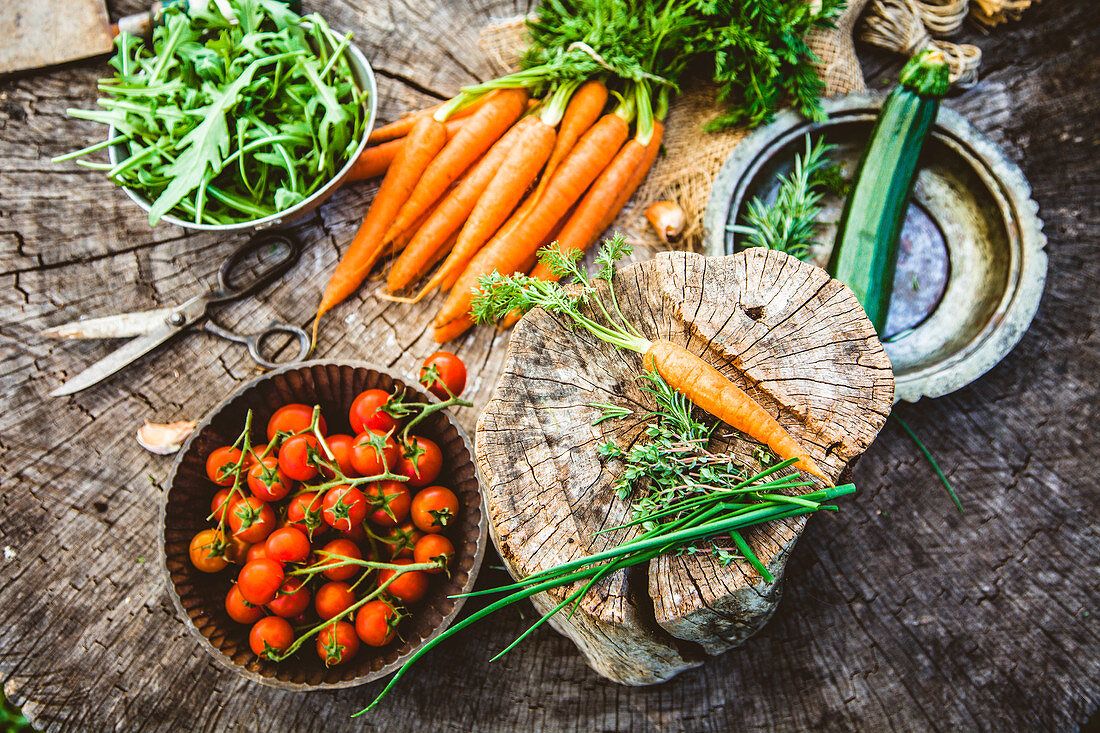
(274, 254)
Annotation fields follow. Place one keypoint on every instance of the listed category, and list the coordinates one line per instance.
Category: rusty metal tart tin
(971, 264)
(200, 597)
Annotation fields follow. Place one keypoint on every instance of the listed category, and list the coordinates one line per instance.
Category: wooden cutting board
(38, 34)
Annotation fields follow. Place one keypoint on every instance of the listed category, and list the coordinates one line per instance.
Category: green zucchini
(865, 251)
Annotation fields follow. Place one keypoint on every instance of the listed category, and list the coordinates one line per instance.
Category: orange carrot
(709, 389)
(510, 320)
(375, 160)
(583, 111)
(451, 212)
(434, 257)
(425, 140)
(583, 164)
(459, 326)
(505, 233)
(401, 127)
(607, 197)
(502, 195)
(454, 329)
(481, 130)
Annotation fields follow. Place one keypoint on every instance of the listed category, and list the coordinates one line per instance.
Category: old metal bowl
(971, 265)
(364, 79)
(200, 597)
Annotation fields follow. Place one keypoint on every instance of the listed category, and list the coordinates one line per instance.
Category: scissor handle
(255, 341)
(287, 249)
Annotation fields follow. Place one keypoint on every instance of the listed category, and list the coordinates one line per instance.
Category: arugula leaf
(229, 121)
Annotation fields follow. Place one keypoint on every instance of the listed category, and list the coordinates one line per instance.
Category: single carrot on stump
(584, 163)
(425, 140)
(684, 371)
(481, 130)
(709, 389)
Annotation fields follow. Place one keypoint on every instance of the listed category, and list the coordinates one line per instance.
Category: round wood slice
(796, 340)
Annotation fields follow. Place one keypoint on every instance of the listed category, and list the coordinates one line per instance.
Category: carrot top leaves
(499, 295)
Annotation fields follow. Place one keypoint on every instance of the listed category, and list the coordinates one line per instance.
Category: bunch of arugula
(229, 120)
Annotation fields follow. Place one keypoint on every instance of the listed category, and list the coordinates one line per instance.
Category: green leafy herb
(224, 121)
(755, 50)
(761, 58)
(789, 224)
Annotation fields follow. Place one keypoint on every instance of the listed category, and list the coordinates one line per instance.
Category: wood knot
(755, 312)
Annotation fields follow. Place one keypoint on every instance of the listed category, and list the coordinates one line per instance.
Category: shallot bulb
(667, 219)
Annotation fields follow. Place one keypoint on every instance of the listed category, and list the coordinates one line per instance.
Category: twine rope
(897, 25)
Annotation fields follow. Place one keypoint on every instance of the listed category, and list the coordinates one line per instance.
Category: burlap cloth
(692, 158)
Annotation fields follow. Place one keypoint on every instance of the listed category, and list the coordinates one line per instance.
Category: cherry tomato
(430, 548)
(287, 544)
(340, 445)
(290, 600)
(390, 501)
(220, 465)
(293, 418)
(370, 450)
(434, 509)
(376, 623)
(366, 415)
(207, 551)
(304, 512)
(344, 506)
(298, 457)
(254, 453)
(357, 533)
(251, 519)
(421, 460)
(219, 506)
(402, 539)
(241, 610)
(337, 550)
(409, 587)
(270, 635)
(332, 599)
(236, 550)
(267, 481)
(449, 375)
(256, 552)
(337, 643)
(260, 580)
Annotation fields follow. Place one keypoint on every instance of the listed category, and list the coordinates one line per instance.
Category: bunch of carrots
(555, 150)
(485, 180)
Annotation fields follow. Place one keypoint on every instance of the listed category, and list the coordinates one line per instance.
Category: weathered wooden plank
(898, 614)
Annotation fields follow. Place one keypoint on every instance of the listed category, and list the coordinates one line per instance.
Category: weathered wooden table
(899, 613)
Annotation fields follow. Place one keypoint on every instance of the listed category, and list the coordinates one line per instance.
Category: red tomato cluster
(308, 506)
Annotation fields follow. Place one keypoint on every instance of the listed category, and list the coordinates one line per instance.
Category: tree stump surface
(797, 341)
(898, 614)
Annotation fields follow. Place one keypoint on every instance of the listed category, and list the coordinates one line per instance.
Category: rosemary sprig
(789, 225)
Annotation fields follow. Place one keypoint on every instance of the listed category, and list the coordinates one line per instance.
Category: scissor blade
(112, 363)
(124, 325)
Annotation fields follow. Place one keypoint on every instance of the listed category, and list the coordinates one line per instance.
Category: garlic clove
(667, 219)
(164, 438)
